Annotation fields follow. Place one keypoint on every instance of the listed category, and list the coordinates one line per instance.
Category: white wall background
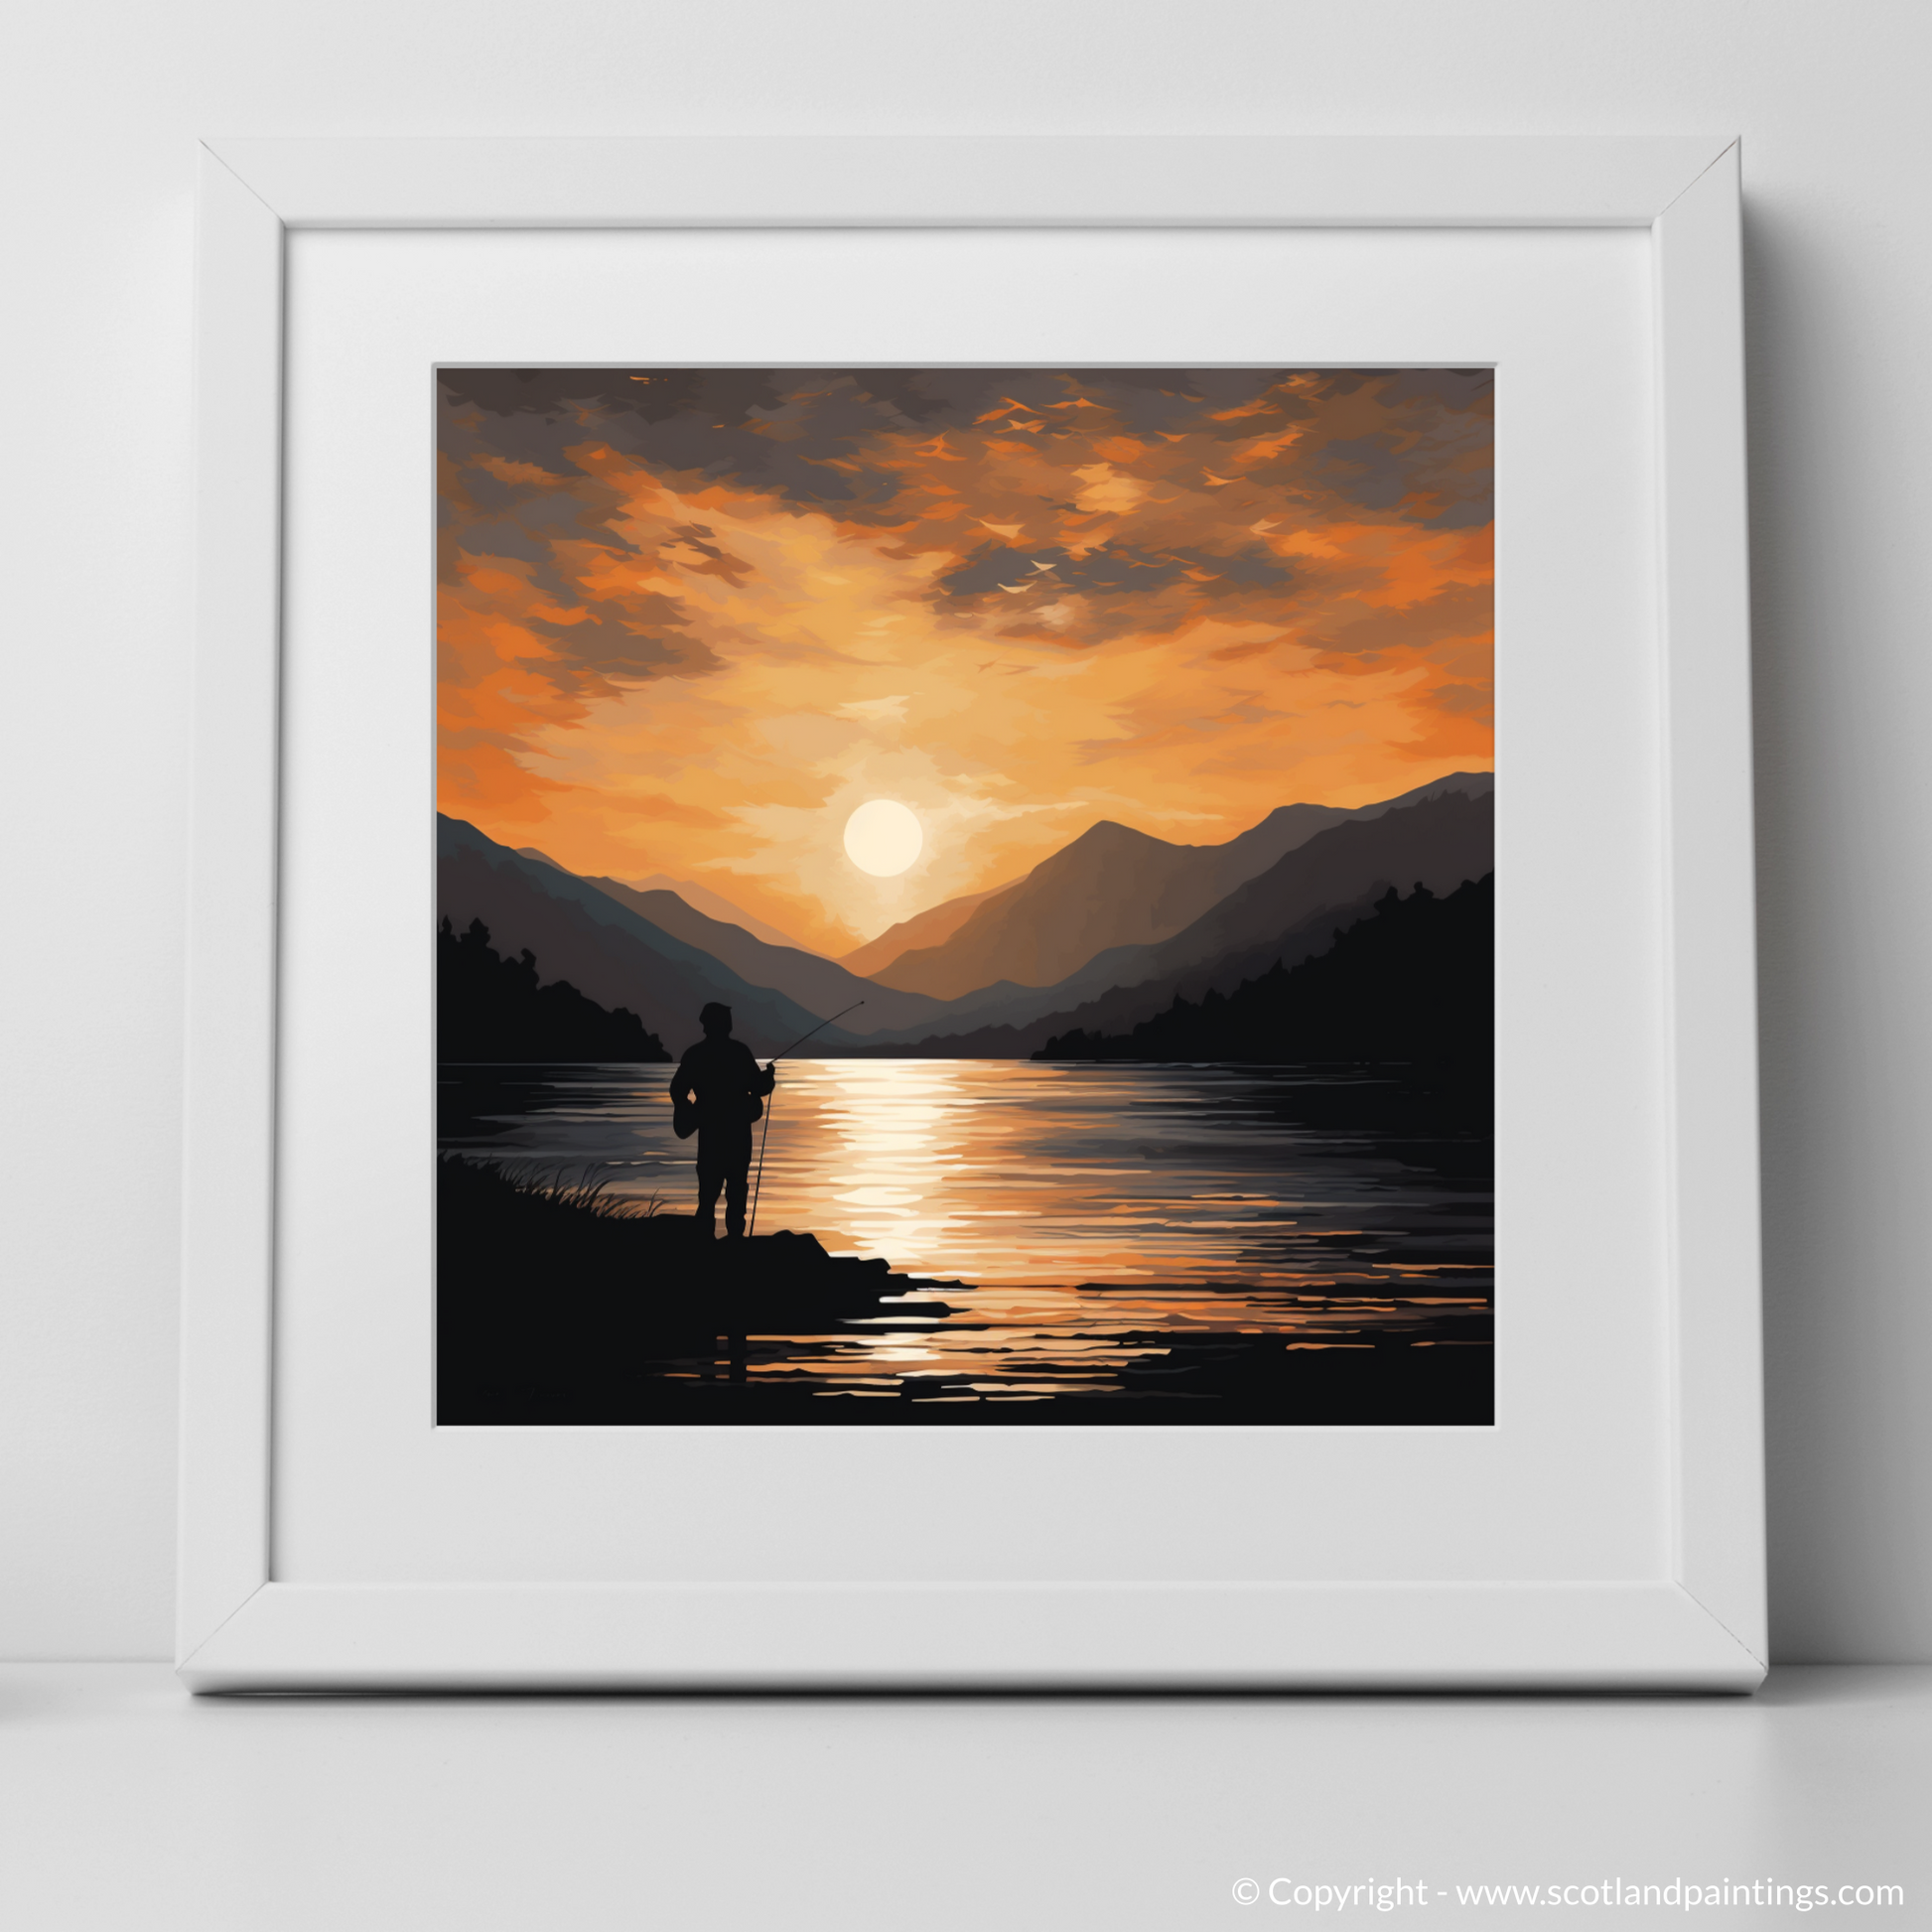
(103, 101)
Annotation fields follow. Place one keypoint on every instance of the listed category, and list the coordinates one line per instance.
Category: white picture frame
(1697, 1623)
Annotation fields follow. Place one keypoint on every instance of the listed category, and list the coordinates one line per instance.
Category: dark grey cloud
(1105, 573)
(1466, 391)
(615, 649)
(810, 435)
(522, 451)
(1365, 471)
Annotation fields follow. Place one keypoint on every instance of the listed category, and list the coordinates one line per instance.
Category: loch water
(1070, 1211)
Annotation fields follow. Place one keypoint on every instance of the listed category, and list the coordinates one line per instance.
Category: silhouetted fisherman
(717, 1092)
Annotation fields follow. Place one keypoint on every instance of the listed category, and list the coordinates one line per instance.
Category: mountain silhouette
(1290, 911)
(932, 927)
(654, 953)
(1439, 842)
(606, 950)
(715, 906)
(1413, 981)
(1114, 887)
(701, 899)
(819, 985)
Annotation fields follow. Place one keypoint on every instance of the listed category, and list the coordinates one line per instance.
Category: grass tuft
(577, 1189)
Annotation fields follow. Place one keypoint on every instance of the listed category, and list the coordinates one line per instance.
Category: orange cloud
(685, 623)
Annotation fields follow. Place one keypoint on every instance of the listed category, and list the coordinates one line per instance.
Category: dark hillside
(1412, 982)
(1289, 913)
(1114, 887)
(493, 1010)
(603, 949)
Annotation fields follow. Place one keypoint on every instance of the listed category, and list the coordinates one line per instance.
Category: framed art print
(1062, 874)
(1001, 905)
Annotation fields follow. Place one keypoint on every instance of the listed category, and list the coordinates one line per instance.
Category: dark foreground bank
(557, 1305)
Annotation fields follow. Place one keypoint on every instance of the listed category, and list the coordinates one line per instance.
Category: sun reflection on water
(1093, 1214)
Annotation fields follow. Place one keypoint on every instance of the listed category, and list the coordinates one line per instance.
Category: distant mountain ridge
(819, 985)
(700, 898)
(1288, 913)
(715, 906)
(1410, 982)
(652, 952)
(1114, 887)
(605, 949)
(932, 927)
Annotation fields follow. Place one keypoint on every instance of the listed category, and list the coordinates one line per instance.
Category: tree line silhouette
(1414, 981)
(490, 1009)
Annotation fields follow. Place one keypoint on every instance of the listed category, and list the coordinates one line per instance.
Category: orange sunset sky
(690, 620)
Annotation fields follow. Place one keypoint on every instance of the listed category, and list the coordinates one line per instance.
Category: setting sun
(883, 838)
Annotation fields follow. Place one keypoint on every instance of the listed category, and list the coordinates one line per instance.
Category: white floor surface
(126, 1804)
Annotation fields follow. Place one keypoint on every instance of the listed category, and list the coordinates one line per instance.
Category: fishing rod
(764, 1132)
(819, 1029)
